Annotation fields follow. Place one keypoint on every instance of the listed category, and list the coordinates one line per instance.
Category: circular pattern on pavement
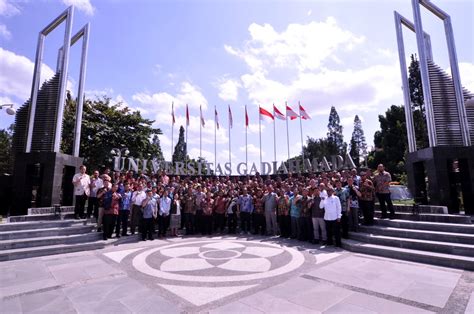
(218, 260)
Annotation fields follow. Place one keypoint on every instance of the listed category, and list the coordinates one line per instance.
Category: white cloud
(82, 5)
(301, 46)
(229, 89)
(188, 94)
(17, 73)
(7, 8)
(4, 32)
(253, 128)
(252, 150)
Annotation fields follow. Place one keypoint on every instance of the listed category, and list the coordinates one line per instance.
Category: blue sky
(216, 53)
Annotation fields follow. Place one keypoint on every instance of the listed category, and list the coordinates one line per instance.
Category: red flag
(278, 114)
(246, 117)
(264, 112)
(303, 114)
(290, 113)
(217, 117)
(172, 113)
(203, 123)
(187, 115)
(230, 118)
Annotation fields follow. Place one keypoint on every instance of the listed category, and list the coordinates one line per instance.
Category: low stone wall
(49, 210)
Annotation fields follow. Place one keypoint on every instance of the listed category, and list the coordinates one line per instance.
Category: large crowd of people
(319, 208)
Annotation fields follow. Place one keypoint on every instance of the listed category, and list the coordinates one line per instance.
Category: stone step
(40, 217)
(461, 219)
(426, 225)
(46, 241)
(433, 258)
(425, 209)
(13, 254)
(415, 244)
(39, 225)
(419, 234)
(46, 232)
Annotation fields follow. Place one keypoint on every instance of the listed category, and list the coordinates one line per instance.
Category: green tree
(417, 103)
(391, 142)
(106, 126)
(156, 142)
(180, 149)
(5, 150)
(316, 148)
(335, 135)
(358, 143)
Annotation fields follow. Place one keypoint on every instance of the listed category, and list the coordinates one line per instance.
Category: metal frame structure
(66, 16)
(399, 21)
(84, 33)
(422, 52)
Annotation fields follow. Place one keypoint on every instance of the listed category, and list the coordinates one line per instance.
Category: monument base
(443, 176)
(43, 179)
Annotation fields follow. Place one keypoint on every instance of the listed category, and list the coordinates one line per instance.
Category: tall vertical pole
(215, 138)
(230, 152)
(287, 133)
(301, 132)
(172, 130)
(274, 136)
(246, 130)
(260, 136)
(80, 93)
(200, 132)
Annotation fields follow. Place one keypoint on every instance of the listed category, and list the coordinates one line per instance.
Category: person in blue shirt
(295, 209)
(124, 211)
(150, 209)
(245, 209)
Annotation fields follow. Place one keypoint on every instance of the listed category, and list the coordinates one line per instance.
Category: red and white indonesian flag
(230, 118)
(217, 117)
(203, 123)
(265, 113)
(246, 117)
(303, 114)
(187, 115)
(290, 113)
(173, 120)
(277, 113)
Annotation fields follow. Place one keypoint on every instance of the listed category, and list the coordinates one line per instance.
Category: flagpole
(200, 133)
(260, 135)
(172, 129)
(274, 136)
(230, 153)
(301, 131)
(187, 122)
(215, 138)
(287, 133)
(246, 149)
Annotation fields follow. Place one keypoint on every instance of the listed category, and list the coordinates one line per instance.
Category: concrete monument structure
(42, 174)
(444, 171)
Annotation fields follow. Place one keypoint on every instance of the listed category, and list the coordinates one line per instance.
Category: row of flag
(290, 114)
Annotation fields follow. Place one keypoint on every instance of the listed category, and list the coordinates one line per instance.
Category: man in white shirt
(332, 216)
(137, 199)
(81, 183)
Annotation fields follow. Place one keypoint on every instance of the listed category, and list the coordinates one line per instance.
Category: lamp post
(10, 110)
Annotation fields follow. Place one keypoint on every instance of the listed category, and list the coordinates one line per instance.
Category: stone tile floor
(229, 275)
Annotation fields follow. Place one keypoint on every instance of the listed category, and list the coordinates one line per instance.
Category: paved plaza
(229, 274)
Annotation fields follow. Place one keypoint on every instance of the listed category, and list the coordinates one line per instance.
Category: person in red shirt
(219, 212)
